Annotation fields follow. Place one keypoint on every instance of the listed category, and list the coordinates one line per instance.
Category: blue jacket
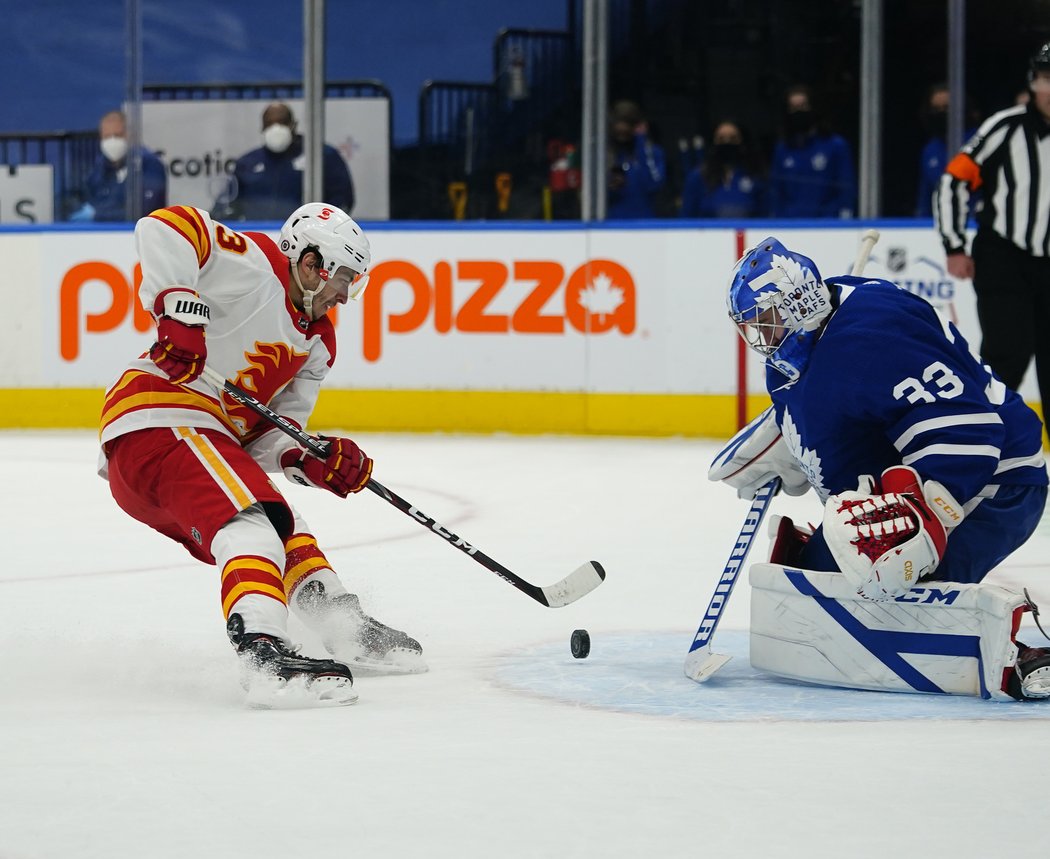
(105, 192)
(644, 173)
(813, 180)
(268, 186)
(743, 197)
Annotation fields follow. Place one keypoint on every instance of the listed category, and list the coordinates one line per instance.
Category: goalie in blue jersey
(929, 468)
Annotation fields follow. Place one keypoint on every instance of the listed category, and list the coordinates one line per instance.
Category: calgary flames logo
(271, 366)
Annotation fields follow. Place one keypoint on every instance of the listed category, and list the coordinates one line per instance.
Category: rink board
(531, 329)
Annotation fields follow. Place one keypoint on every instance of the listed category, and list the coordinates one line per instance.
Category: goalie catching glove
(180, 350)
(346, 469)
(886, 541)
(756, 455)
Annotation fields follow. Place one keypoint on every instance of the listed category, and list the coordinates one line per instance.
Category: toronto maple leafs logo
(801, 297)
(808, 460)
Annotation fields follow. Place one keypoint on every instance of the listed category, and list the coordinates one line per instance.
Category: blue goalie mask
(778, 302)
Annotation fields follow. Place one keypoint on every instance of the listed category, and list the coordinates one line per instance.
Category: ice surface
(123, 731)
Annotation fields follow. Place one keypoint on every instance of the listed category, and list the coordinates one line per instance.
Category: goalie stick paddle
(701, 662)
(578, 583)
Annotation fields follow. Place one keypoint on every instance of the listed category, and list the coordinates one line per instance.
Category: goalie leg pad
(957, 639)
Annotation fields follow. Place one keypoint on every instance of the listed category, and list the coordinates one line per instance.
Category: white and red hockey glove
(886, 541)
(346, 468)
(754, 456)
(180, 350)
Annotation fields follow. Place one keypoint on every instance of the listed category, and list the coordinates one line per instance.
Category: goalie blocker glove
(885, 542)
(754, 456)
(180, 350)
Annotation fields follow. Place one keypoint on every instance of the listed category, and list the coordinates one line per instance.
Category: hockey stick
(701, 662)
(578, 583)
(867, 242)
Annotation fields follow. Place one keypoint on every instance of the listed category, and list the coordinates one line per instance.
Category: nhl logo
(897, 259)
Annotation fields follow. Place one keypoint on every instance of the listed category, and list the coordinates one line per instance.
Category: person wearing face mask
(727, 183)
(934, 156)
(185, 459)
(267, 182)
(812, 173)
(104, 191)
(637, 165)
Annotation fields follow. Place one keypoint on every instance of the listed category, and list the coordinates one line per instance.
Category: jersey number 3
(947, 384)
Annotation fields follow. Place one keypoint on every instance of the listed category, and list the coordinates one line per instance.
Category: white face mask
(114, 148)
(277, 137)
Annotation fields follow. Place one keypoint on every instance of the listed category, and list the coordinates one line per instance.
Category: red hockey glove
(345, 470)
(180, 350)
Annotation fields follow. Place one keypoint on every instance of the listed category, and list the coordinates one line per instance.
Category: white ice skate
(353, 637)
(1033, 669)
(276, 677)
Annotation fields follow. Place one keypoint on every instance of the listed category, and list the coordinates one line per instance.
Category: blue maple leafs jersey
(889, 381)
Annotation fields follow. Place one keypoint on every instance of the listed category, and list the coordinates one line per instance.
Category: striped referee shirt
(1008, 159)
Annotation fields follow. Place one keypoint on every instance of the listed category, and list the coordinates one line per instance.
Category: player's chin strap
(307, 294)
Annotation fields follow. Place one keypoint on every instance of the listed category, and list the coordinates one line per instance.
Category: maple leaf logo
(601, 296)
(808, 460)
(795, 274)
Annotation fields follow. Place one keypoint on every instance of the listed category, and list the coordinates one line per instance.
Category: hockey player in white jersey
(193, 464)
(930, 470)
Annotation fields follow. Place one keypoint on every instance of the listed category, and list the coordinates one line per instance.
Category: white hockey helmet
(334, 235)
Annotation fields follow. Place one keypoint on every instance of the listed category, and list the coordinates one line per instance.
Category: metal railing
(364, 88)
(466, 128)
(72, 154)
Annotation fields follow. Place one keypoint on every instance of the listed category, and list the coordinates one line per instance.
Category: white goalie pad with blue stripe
(942, 637)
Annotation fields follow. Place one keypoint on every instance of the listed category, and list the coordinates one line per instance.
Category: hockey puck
(580, 643)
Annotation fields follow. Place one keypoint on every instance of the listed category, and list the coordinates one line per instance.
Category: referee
(1008, 159)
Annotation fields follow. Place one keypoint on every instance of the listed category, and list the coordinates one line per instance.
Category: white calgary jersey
(256, 337)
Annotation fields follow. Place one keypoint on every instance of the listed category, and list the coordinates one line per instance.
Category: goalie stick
(578, 583)
(701, 662)
(867, 242)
